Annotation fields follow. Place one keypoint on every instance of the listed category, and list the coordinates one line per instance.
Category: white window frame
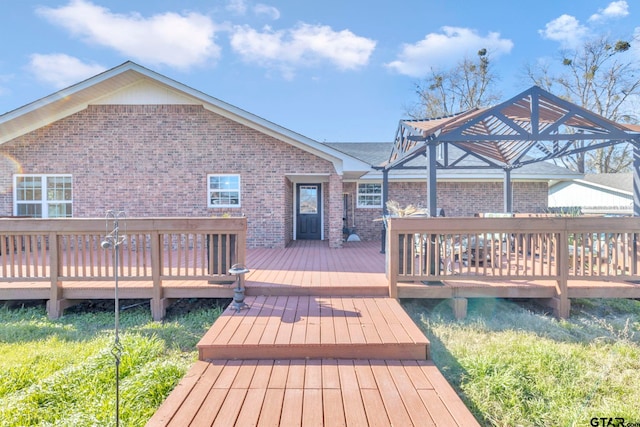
(44, 202)
(358, 194)
(210, 191)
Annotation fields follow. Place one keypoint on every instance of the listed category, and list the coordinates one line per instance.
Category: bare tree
(470, 84)
(602, 78)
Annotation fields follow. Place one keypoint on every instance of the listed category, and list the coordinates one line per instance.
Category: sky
(331, 70)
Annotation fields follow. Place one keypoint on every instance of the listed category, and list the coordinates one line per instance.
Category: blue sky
(332, 70)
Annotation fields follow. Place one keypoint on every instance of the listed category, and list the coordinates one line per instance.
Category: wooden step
(315, 327)
(332, 291)
(313, 392)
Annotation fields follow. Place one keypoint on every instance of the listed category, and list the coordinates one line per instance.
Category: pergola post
(636, 178)
(508, 191)
(432, 195)
(636, 193)
(385, 211)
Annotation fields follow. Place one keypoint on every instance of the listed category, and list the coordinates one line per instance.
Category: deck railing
(503, 249)
(154, 250)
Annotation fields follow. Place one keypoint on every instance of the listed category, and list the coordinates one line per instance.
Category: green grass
(513, 364)
(517, 366)
(62, 373)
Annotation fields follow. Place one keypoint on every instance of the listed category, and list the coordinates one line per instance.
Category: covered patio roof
(534, 126)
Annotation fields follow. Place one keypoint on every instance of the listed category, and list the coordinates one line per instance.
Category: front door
(308, 212)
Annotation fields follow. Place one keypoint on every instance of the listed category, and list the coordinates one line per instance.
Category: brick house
(132, 139)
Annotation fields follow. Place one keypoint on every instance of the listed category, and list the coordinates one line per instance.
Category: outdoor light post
(112, 240)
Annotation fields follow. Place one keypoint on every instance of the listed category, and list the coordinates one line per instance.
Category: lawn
(62, 373)
(513, 364)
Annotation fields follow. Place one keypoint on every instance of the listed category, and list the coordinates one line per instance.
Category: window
(224, 191)
(369, 195)
(309, 199)
(43, 196)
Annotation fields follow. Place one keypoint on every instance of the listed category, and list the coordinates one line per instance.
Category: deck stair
(314, 361)
(299, 327)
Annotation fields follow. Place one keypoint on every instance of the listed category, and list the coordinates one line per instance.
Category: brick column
(335, 211)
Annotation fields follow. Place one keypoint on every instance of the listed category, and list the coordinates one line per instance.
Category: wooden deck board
(391, 397)
(353, 405)
(332, 394)
(251, 408)
(291, 414)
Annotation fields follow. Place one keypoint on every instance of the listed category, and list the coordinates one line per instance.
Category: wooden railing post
(54, 306)
(392, 259)
(241, 244)
(562, 305)
(158, 307)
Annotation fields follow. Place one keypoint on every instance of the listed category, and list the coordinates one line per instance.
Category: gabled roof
(616, 181)
(101, 87)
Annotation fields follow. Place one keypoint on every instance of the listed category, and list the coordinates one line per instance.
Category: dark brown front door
(308, 212)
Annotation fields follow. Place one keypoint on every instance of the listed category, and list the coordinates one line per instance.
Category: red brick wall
(458, 199)
(154, 161)
(334, 216)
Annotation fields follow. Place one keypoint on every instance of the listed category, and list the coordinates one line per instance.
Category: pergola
(534, 126)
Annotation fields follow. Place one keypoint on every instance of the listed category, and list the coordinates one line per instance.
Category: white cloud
(566, 30)
(446, 49)
(266, 10)
(60, 70)
(304, 45)
(240, 7)
(179, 41)
(616, 9)
(570, 33)
(237, 6)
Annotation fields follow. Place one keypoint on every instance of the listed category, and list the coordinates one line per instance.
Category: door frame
(295, 206)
